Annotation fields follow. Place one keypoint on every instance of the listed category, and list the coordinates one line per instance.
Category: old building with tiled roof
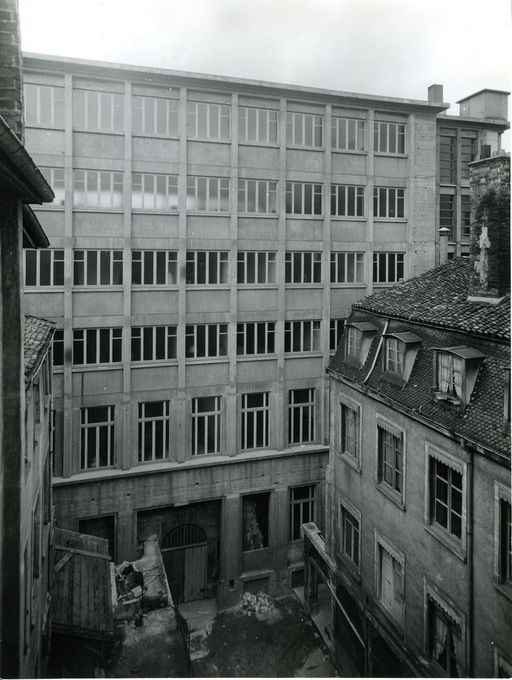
(416, 557)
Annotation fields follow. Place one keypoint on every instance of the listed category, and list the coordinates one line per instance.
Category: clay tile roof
(438, 297)
(36, 340)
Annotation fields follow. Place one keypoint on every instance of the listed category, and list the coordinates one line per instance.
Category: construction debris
(261, 605)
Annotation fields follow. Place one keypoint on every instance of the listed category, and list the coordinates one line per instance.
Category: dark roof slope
(438, 298)
(37, 336)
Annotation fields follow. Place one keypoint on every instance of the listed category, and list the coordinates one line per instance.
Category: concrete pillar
(230, 545)
(279, 534)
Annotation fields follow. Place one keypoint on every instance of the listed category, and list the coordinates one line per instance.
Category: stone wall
(490, 210)
(10, 67)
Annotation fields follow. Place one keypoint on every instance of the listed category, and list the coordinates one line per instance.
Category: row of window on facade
(448, 215)
(445, 623)
(206, 267)
(150, 191)
(97, 427)
(154, 116)
(454, 156)
(98, 346)
(455, 368)
(445, 517)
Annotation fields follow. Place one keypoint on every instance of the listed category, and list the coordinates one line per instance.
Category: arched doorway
(185, 554)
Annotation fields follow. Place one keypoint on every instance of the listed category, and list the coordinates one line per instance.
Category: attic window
(400, 351)
(455, 373)
(358, 340)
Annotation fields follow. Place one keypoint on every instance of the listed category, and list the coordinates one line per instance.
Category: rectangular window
(446, 497)
(207, 267)
(58, 347)
(154, 116)
(44, 105)
(154, 192)
(505, 541)
(55, 178)
(391, 459)
(445, 640)
(347, 267)
(302, 336)
(467, 151)
(347, 134)
(354, 337)
(447, 213)
(388, 202)
(97, 346)
(336, 327)
(206, 423)
(447, 149)
(206, 340)
(304, 129)
(208, 121)
(302, 509)
(450, 370)
(303, 198)
(301, 416)
(347, 201)
(388, 267)
(97, 189)
(390, 581)
(257, 126)
(154, 343)
(256, 267)
(154, 268)
(349, 430)
(93, 110)
(255, 337)
(389, 137)
(257, 196)
(255, 524)
(350, 535)
(209, 194)
(394, 358)
(255, 421)
(465, 216)
(301, 267)
(98, 267)
(153, 431)
(44, 267)
(96, 437)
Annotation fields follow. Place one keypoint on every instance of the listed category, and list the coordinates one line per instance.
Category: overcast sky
(387, 47)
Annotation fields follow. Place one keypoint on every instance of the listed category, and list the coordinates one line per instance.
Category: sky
(394, 48)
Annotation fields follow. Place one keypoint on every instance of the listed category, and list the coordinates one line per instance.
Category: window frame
(166, 258)
(294, 503)
(299, 258)
(244, 123)
(387, 200)
(311, 200)
(223, 114)
(336, 330)
(57, 183)
(115, 334)
(340, 267)
(83, 176)
(359, 136)
(260, 416)
(213, 201)
(85, 425)
(447, 156)
(109, 103)
(385, 139)
(269, 264)
(142, 421)
(267, 187)
(342, 196)
(148, 335)
(56, 267)
(244, 328)
(216, 268)
(151, 194)
(300, 408)
(398, 557)
(114, 257)
(57, 105)
(171, 115)
(354, 515)
(356, 408)
(399, 262)
(220, 340)
(304, 330)
(452, 542)
(502, 563)
(196, 416)
(383, 427)
(441, 601)
(297, 132)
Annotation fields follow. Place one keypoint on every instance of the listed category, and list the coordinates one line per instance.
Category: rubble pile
(260, 605)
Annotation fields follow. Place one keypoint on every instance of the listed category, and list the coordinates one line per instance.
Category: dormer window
(400, 351)
(358, 340)
(455, 373)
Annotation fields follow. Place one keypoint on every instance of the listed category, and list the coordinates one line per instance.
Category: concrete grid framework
(126, 486)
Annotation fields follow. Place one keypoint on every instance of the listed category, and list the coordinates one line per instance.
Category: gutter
(33, 233)
(22, 170)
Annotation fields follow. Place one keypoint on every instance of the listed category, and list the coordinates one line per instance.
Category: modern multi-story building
(416, 559)
(25, 389)
(474, 133)
(208, 238)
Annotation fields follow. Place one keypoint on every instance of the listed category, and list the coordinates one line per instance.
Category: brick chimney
(490, 228)
(11, 104)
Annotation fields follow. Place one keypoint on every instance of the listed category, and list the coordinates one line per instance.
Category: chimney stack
(11, 105)
(435, 94)
(443, 245)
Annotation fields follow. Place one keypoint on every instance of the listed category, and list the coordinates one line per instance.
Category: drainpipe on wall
(443, 245)
(471, 579)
